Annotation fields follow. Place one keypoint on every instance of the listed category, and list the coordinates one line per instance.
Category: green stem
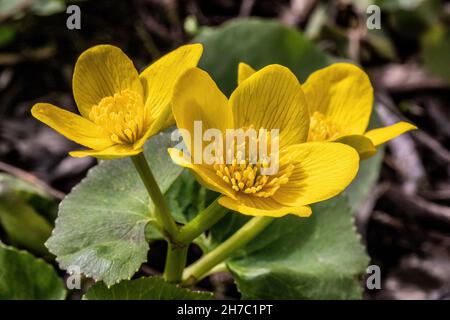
(202, 222)
(175, 263)
(162, 213)
(176, 255)
(221, 267)
(199, 269)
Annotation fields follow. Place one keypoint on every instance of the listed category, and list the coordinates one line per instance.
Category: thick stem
(202, 222)
(175, 263)
(176, 255)
(199, 269)
(162, 213)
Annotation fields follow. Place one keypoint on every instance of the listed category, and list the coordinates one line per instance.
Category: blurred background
(405, 223)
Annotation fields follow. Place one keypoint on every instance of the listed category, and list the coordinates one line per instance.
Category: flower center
(250, 177)
(247, 178)
(322, 129)
(122, 116)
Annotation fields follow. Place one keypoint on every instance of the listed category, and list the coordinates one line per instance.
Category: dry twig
(297, 12)
(22, 174)
(415, 206)
(404, 152)
(405, 77)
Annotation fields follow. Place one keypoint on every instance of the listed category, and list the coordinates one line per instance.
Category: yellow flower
(270, 99)
(340, 101)
(120, 109)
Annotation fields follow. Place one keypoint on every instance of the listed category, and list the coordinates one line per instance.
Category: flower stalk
(162, 214)
(202, 222)
(175, 262)
(200, 269)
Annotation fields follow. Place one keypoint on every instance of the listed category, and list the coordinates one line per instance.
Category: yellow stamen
(122, 116)
(322, 129)
(244, 176)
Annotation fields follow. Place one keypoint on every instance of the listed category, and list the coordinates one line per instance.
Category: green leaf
(151, 288)
(7, 34)
(25, 277)
(382, 43)
(23, 225)
(258, 43)
(436, 50)
(36, 197)
(412, 18)
(101, 223)
(311, 258)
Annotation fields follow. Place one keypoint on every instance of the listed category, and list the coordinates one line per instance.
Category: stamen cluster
(122, 116)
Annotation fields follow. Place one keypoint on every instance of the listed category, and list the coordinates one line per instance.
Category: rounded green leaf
(101, 224)
(319, 257)
(258, 43)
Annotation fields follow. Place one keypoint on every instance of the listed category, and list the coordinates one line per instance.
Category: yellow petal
(322, 170)
(272, 99)
(113, 152)
(197, 98)
(154, 128)
(343, 93)
(72, 126)
(204, 174)
(360, 143)
(100, 72)
(382, 135)
(244, 72)
(159, 78)
(268, 207)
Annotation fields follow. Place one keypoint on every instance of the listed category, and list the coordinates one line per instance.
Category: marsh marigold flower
(340, 102)
(120, 109)
(270, 99)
